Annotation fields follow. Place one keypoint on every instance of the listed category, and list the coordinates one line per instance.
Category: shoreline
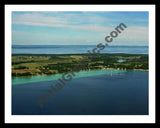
(83, 70)
(70, 54)
(129, 69)
(83, 73)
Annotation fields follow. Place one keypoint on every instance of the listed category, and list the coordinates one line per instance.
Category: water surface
(73, 49)
(120, 93)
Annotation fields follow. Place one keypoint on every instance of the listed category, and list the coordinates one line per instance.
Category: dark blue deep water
(123, 93)
(72, 49)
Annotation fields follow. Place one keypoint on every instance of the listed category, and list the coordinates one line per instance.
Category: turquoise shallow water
(31, 79)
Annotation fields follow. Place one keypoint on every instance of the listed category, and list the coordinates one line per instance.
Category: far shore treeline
(47, 64)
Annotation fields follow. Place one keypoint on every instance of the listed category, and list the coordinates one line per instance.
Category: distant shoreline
(28, 54)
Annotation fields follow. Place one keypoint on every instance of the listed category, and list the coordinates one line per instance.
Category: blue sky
(78, 28)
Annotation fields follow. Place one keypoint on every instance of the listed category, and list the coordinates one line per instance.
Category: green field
(47, 64)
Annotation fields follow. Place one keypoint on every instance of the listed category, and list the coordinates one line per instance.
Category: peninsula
(47, 64)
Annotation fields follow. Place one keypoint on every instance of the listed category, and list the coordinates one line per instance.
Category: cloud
(135, 33)
(74, 21)
(96, 25)
(35, 18)
(14, 32)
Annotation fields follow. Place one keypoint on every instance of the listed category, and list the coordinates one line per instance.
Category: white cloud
(69, 21)
(19, 32)
(135, 33)
(84, 21)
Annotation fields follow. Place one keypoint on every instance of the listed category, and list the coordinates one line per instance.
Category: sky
(78, 28)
